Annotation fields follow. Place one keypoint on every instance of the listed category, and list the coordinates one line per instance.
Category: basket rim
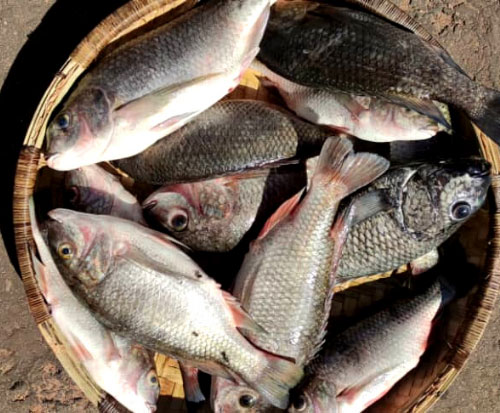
(133, 15)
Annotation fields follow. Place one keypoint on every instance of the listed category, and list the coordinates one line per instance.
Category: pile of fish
(282, 184)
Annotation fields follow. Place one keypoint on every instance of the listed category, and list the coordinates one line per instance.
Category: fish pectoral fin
(79, 349)
(425, 262)
(285, 210)
(190, 382)
(241, 318)
(443, 54)
(370, 204)
(424, 106)
(154, 102)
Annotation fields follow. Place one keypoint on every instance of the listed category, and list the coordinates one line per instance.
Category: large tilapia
(153, 84)
(120, 367)
(170, 308)
(230, 137)
(409, 212)
(91, 189)
(361, 364)
(370, 119)
(341, 49)
(287, 277)
(216, 214)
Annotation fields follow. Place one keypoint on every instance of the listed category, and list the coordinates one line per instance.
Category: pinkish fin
(112, 353)
(191, 384)
(336, 165)
(425, 262)
(285, 210)
(81, 352)
(276, 379)
(167, 124)
(242, 319)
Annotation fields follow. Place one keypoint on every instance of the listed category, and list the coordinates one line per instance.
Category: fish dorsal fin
(285, 210)
(424, 106)
(241, 318)
(370, 204)
(389, 11)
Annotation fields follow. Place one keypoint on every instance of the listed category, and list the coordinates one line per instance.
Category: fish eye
(178, 220)
(461, 210)
(73, 194)
(152, 378)
(63, 121)
(65, 251)
(247, 401)
(300, 403)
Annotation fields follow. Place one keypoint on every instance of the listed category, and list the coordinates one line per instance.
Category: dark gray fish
(230, 137)
(358, 366)
(409, 212)
(342, 49)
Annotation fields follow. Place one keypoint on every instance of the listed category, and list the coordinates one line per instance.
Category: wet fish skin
(413, 214)
(218, 143)
(215, 215)
(366, 118)
(96, 191)
(352, 51)
(121, 368)
(198, 325)
(153, 84)
(286, 279)
(358, 366)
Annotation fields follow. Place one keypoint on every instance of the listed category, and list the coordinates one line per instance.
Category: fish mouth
(151, 407)
(149, 205)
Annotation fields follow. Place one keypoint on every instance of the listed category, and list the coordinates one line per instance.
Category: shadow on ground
(47, 48)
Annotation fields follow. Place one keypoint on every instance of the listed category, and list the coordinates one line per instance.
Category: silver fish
(287, 277)
(153, 84)
(96, 191)
(364, 117)
(216, 214)
(121, 368)
(358, 366)
(175, 310)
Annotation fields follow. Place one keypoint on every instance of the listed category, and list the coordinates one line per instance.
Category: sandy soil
(31, 380)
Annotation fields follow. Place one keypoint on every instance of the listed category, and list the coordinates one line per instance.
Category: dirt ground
(31, 379)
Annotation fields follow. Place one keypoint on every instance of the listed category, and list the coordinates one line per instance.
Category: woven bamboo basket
(463, 325)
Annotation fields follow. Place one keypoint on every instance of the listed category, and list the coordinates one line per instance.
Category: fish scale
(218, 142)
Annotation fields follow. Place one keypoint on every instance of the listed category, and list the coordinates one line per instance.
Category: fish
(286, 280)
(153, 84)
(219, 143)
(364, 117)
(176, 310)
(351, 51)
(216, 214)
(123, 369)
(91, 189)
(358, 366)
(410, 211)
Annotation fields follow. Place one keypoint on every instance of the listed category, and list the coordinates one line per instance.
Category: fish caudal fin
(488, 117)
(338, 165)
(276, 380)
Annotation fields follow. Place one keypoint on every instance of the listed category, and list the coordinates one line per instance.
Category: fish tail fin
(191, 384)
(487, 117)
(338, 165)
(276, 379)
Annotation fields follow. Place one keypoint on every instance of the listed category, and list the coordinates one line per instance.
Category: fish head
(316, 396)
(441, 196)
(229, 397)
(194, 213)
(141, 384)
(82, 251)
(81, 132)
(89, 188)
